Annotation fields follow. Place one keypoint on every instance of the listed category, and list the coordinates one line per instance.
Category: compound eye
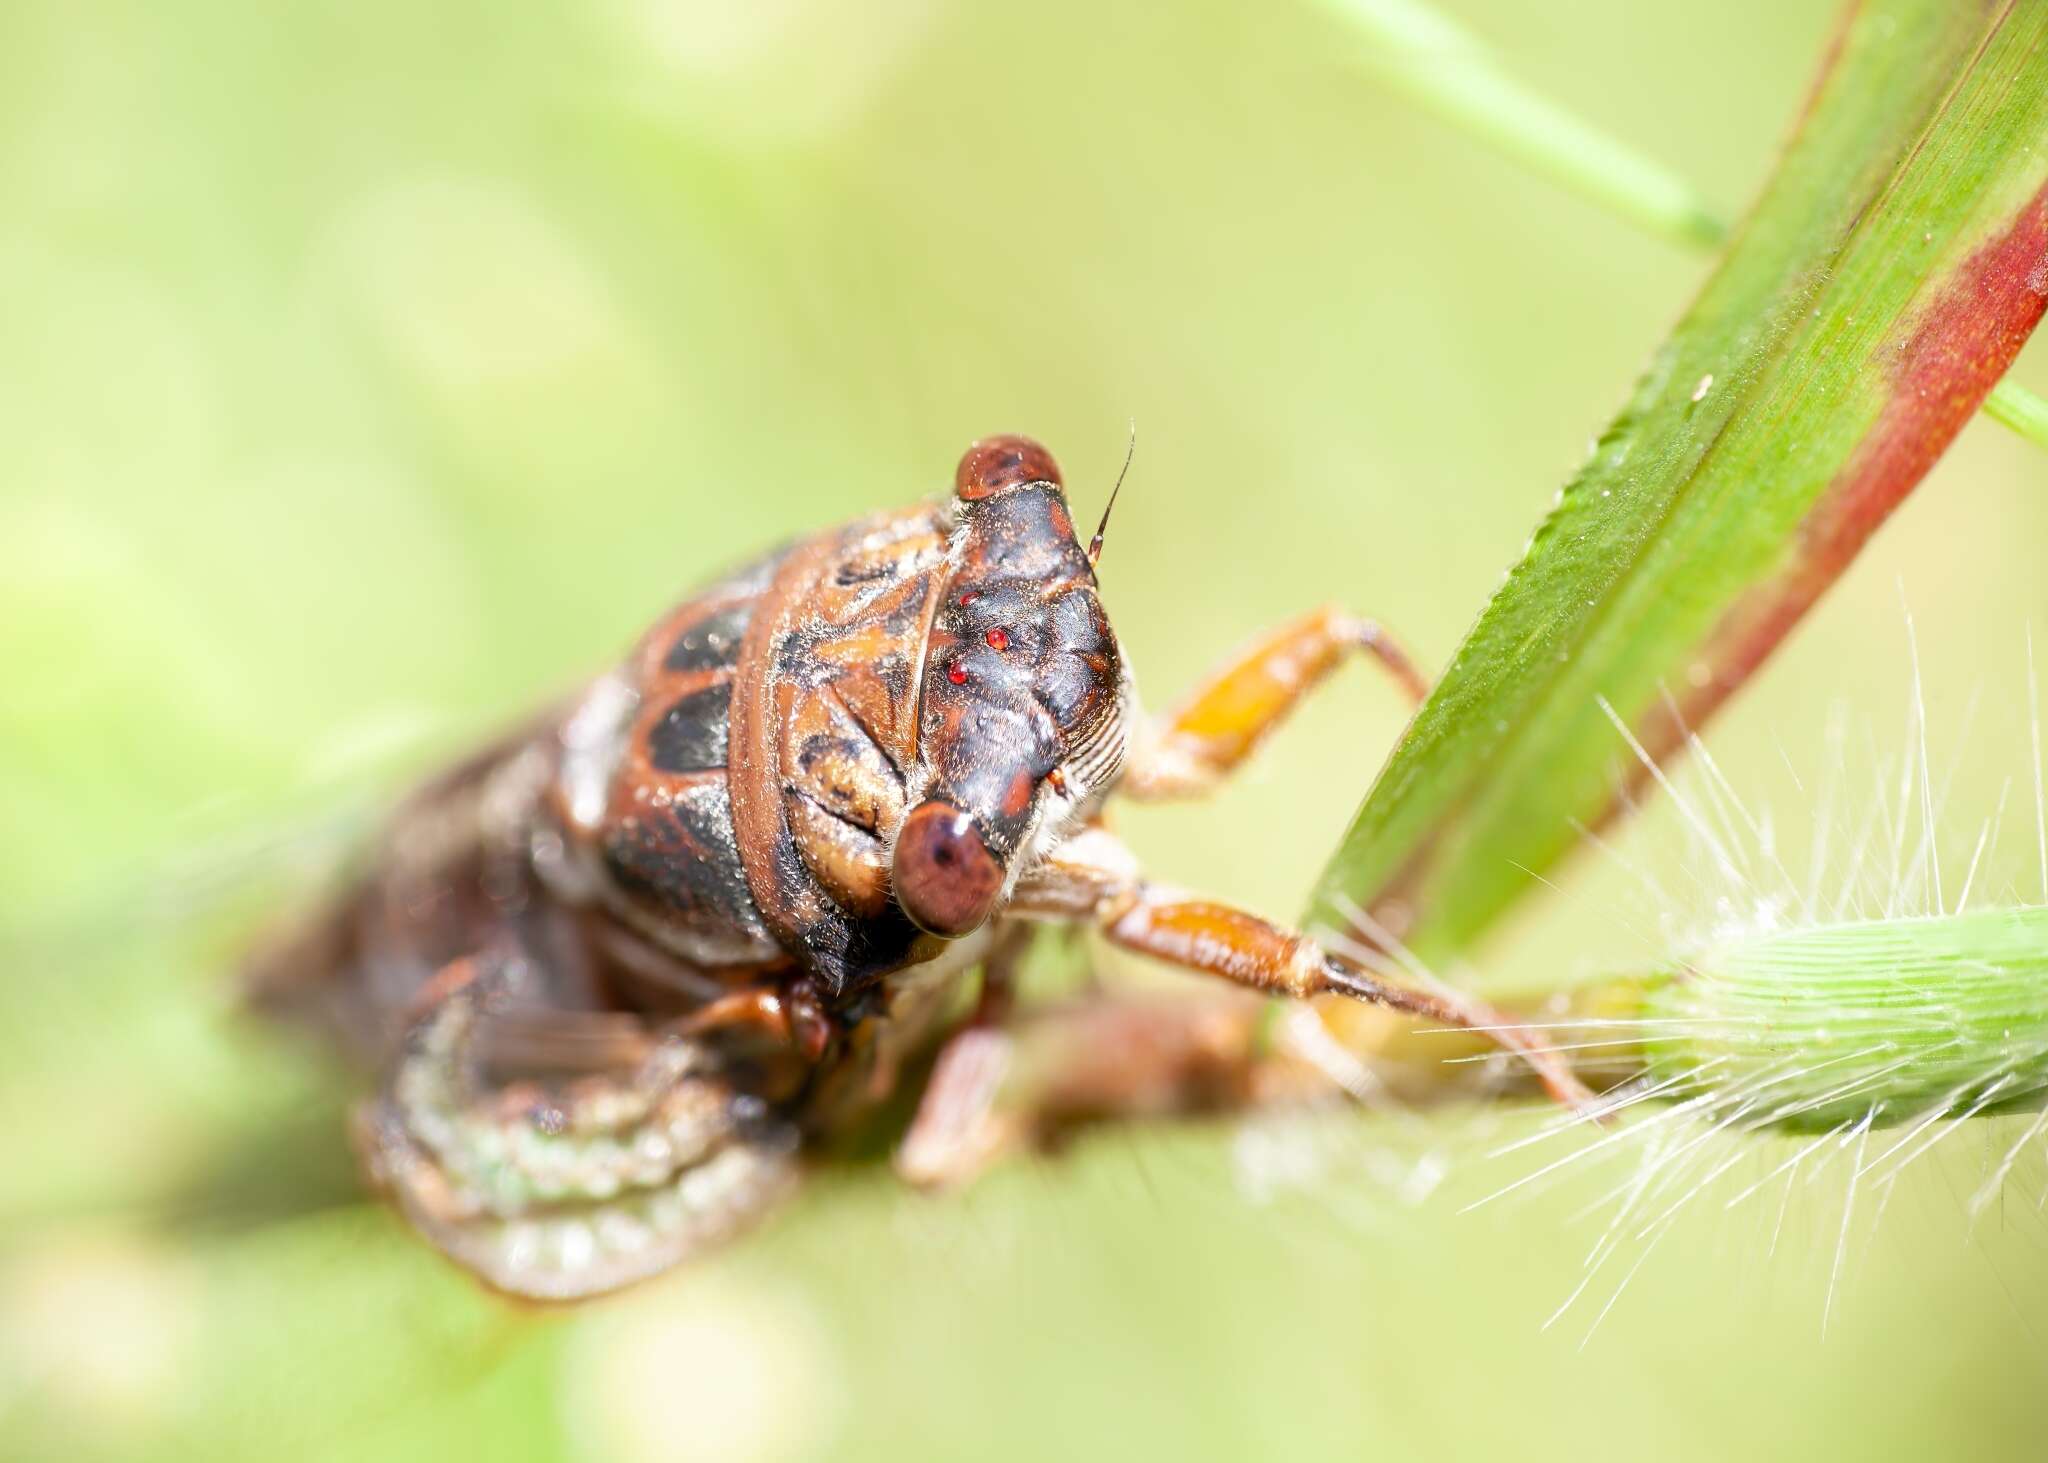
(996, 463)
(946, 879)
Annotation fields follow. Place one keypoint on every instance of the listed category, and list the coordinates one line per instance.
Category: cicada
(623, 975)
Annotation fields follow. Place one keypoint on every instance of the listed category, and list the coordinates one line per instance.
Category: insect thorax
(735, 791)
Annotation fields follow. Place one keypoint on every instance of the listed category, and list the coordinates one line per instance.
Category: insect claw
(1556, 1075)
(1551, 1069)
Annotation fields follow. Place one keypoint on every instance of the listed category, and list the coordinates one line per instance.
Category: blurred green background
(371, 370)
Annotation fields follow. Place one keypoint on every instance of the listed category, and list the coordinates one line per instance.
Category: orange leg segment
(1226, 717)
(1095, 876)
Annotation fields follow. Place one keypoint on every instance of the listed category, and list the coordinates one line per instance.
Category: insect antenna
(1130, 450)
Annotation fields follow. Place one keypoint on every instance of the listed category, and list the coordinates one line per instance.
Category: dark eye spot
(712, 641)
(691, 737)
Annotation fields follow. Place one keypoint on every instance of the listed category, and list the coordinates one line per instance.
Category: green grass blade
(1442, 68)
(2014, 406)
(1895, 264)
(1439, 66)
(1822, 1027)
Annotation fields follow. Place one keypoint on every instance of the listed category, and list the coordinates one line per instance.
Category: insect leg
(1093, 876)
(1052, 1070)
(953, 1134)
(602, 1175)
(1216, 728)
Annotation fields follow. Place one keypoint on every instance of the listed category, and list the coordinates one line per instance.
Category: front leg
(1217, 727)
(1093, 877)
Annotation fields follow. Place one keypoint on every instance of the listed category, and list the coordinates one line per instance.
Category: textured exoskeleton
(623, 972)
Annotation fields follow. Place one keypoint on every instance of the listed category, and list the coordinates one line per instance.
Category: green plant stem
(1443, 68)
(1871, 1022)
(2014, 406)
